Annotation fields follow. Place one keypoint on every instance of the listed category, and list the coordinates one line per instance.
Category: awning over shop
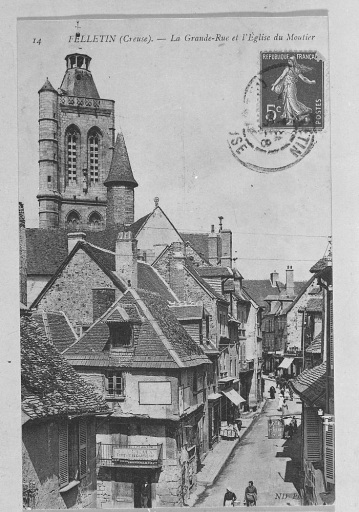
(287, 361)
(214, 396)
(233, 396)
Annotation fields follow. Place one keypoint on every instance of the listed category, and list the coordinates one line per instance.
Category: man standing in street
(250, 495)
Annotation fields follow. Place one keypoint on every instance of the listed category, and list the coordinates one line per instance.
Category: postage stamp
(292, 90)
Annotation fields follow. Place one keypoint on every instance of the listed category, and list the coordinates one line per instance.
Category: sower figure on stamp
(293, 110)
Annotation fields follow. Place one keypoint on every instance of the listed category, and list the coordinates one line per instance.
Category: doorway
(142, 491)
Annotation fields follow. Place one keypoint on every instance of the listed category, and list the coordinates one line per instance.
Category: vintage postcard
(176, 286)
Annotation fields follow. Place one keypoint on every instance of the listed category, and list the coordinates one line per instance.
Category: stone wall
(72, 291)
(40, 449)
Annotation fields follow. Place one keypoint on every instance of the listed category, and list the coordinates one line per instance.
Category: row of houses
(154, 322)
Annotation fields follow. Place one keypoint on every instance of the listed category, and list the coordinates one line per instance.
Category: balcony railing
(140, 456)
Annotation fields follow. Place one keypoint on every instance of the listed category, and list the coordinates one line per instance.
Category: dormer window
(120, 334)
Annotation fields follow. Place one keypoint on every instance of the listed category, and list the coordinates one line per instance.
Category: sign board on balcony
(275, 428)
(135, 454)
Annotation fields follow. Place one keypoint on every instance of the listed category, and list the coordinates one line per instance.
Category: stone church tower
(76, 146)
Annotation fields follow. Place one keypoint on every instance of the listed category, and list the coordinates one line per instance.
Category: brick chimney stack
(289, 284)
(73, 238)
(126, 258)
(213, 247)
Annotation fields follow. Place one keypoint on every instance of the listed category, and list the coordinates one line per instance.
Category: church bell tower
(76, 142)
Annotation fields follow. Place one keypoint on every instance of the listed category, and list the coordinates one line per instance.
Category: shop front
(214, 418)
(128, 475)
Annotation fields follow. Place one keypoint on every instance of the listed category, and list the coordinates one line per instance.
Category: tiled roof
(320, 265)
(188, 311)
(198, 241)
(193, 270)
(311, 385)
(215, 271)
(315, 305)
(160, 340)
(56, 327)
(316, 346)
(120, 168)
(49, 385)
(149, 279)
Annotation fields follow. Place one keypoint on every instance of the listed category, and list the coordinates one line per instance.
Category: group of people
(290, 427)
(250, 496)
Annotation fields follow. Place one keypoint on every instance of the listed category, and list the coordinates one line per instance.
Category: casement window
(120, 334)
(93, 155)
(72, 451)
(115, 384)
(329, 454)
(72, 148)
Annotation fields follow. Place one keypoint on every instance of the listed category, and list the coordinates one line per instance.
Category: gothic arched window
(73, 220)
(95, 221)
(93, 146)
(72, 148)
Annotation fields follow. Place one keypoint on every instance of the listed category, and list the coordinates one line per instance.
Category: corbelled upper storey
(78, 79)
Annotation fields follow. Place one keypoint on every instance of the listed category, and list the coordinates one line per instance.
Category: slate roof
(83, 87)
(56, 327)
(120, 168)
(136, 226)
(47, 86)
(315, 305)
(320, 265)
(149, 279)
(198, 241)
(316, 346)
(49, 385)
(188, 311)
(261, 288)
(160, 340)
(311, 385)
(193, 270)
(215, 271)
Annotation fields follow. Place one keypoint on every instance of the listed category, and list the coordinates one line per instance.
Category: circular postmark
(269, 140)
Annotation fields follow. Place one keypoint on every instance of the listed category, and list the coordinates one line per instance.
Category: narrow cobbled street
(272, 464)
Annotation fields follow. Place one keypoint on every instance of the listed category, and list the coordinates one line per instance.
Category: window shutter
(313, 438)
(329, 454)
(83, 447)
(331, 341)
(63, 455)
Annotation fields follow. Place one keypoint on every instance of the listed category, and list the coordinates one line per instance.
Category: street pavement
(272, 464)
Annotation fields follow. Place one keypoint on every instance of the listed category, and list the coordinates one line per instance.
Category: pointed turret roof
(120, 169)
(47, 86)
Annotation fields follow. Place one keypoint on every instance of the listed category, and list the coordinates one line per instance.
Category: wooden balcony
(134, 456)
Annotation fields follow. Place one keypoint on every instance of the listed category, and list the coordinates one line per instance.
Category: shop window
(120, 334)
(115, 384)
(72, 452)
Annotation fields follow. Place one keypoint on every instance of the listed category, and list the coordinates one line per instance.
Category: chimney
(289, 284)
(213, 247)
(23, 256)
(274, 278)
(176, 270)
(226, 247)
(126, 258)
(73, 238)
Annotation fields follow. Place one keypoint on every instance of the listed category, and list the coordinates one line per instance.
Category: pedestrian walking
(250, 495)
(280, 403)
(277, 382)
(229, 498)
(281, 392)
(287, 394)
(294, 424)
(285, 407)
(272, 392)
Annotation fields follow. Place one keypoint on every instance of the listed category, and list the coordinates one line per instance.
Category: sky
(176, 103)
